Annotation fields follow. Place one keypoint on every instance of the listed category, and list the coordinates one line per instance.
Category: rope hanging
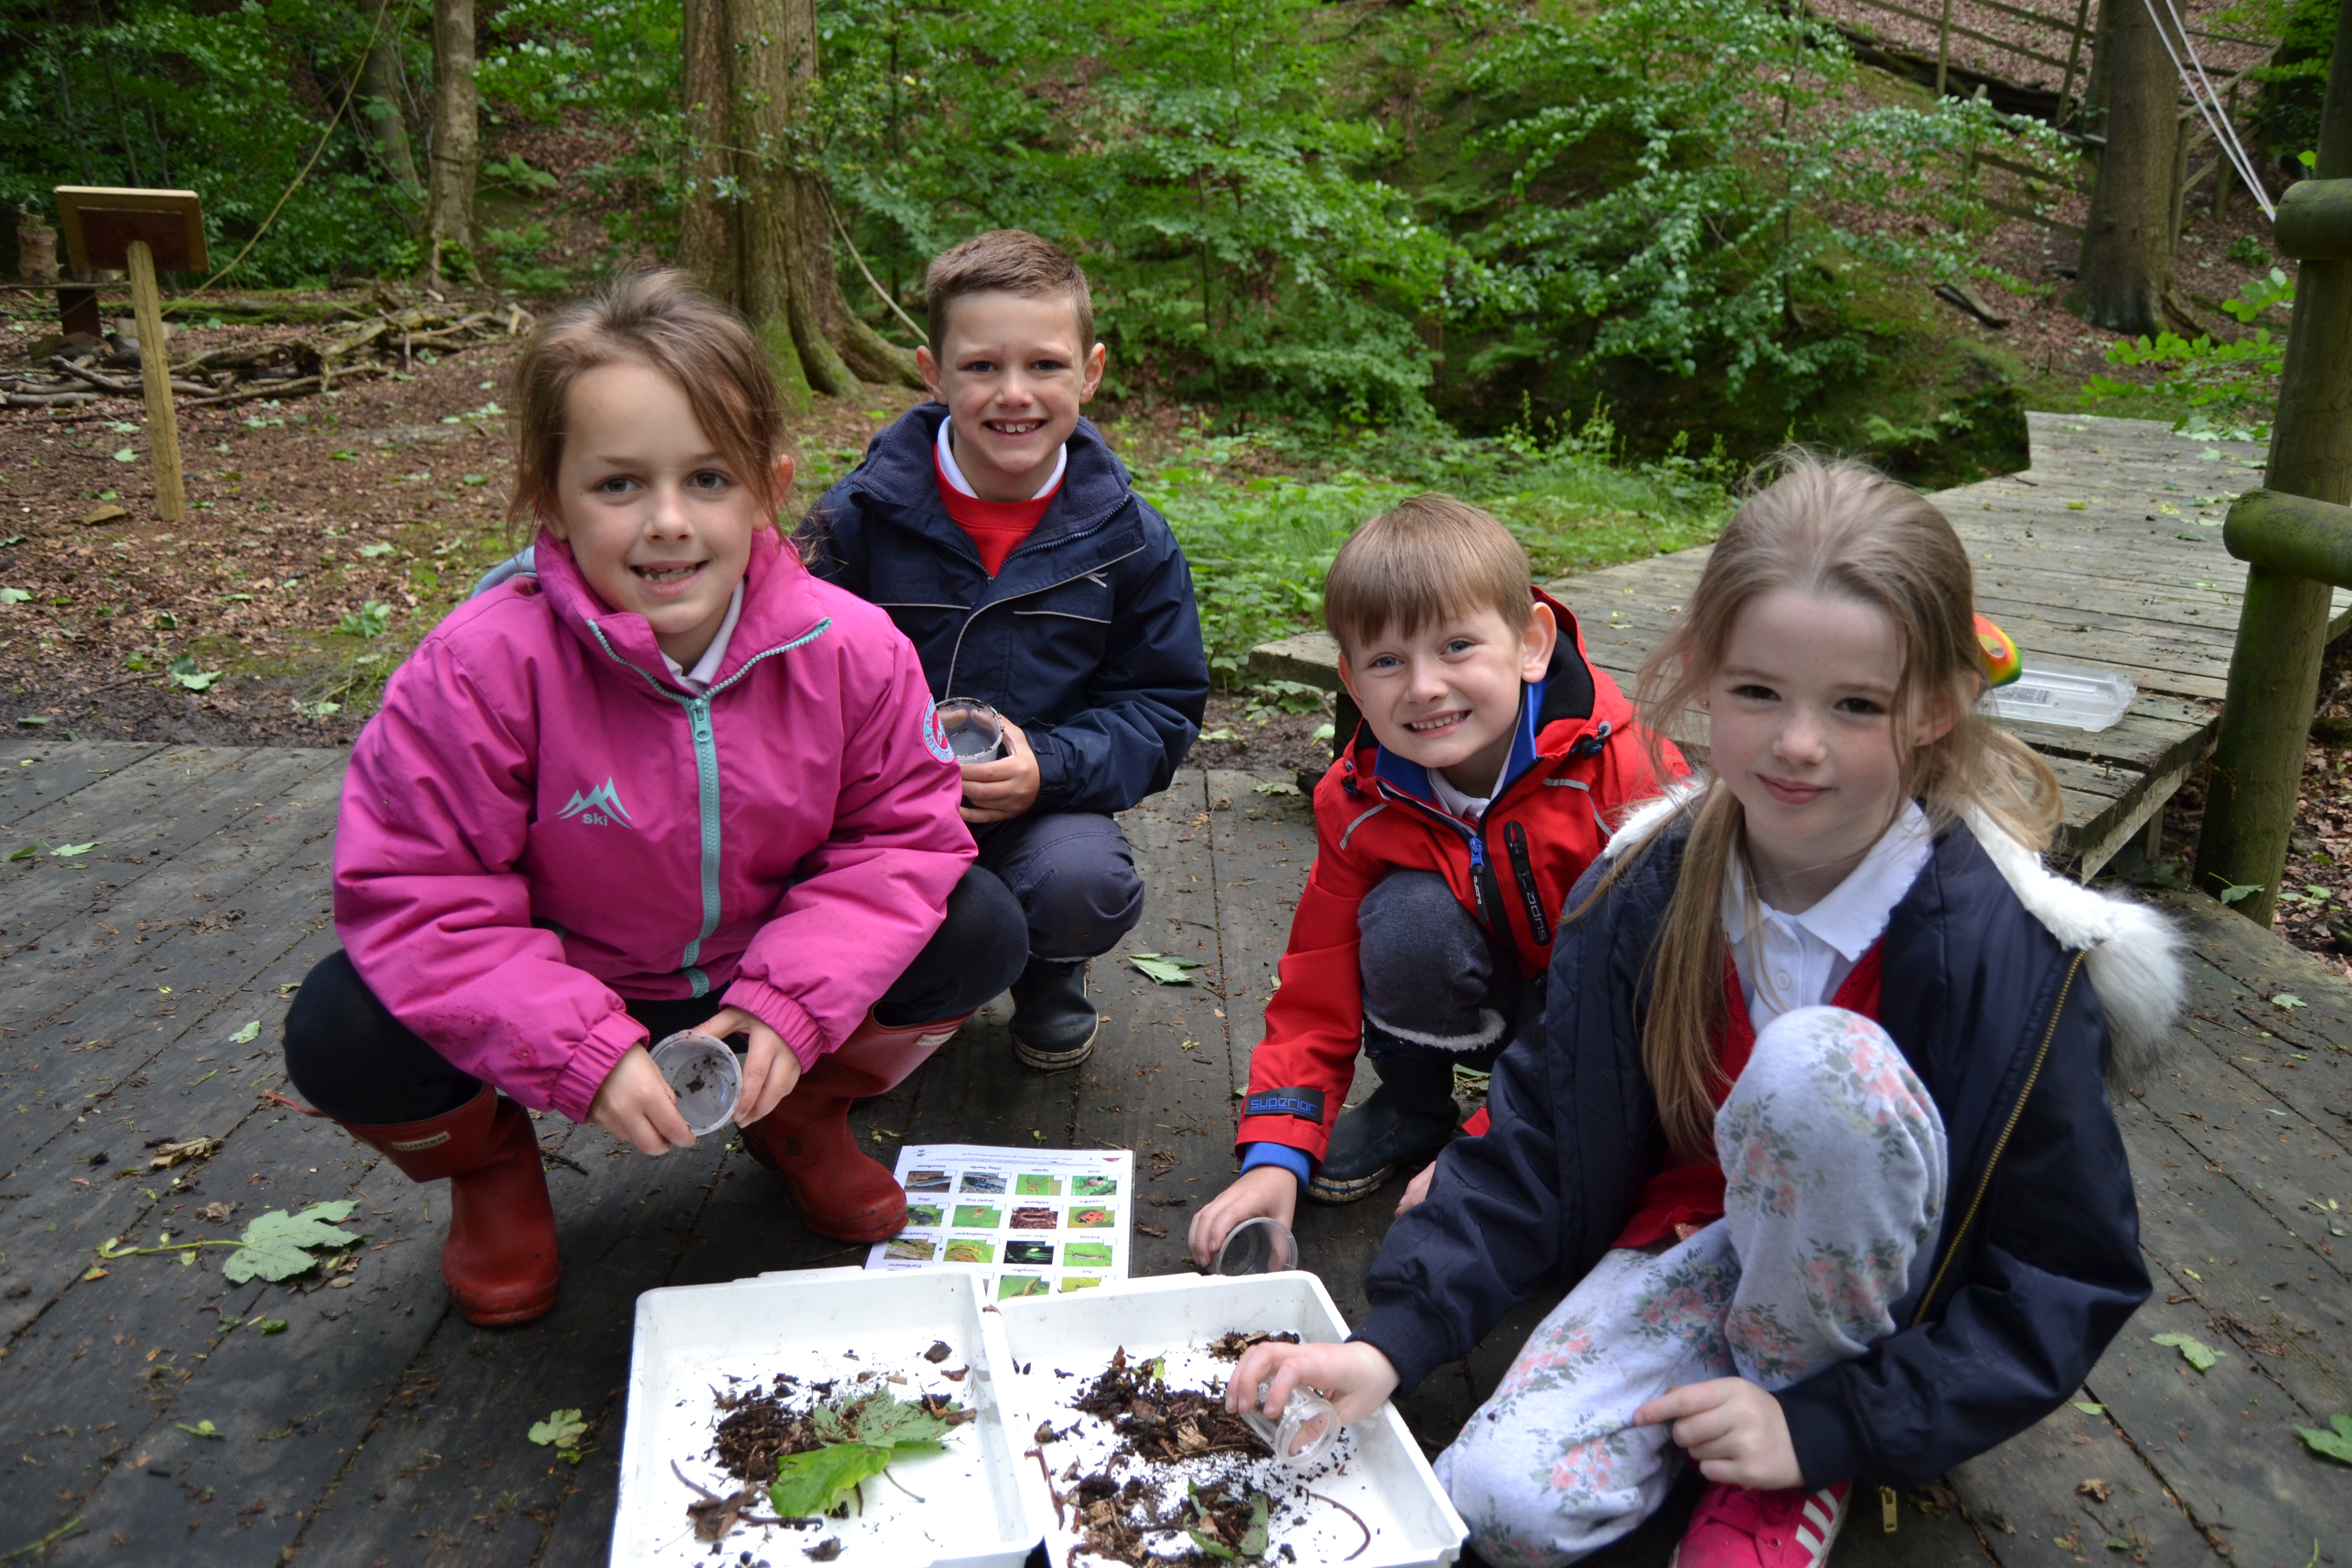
(2209, 104)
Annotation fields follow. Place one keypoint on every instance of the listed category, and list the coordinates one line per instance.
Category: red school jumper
(996, 527)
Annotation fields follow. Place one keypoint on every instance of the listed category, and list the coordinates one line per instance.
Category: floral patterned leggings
(1834, 1165)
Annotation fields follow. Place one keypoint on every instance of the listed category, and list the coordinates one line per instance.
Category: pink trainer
(1735, 1528)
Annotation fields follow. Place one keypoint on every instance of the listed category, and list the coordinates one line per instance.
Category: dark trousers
(351, 1058)
(1435, 984)
(1073, 876)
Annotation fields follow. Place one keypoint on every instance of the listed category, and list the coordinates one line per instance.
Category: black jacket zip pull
(1514, 837)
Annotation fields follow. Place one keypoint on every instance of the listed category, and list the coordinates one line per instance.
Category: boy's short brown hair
(1007, 262)
(1428, 559)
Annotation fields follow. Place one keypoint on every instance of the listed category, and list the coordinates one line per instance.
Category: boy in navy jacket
(1004, 538)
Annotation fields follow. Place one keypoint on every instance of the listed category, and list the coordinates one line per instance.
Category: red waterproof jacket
(1581, 758)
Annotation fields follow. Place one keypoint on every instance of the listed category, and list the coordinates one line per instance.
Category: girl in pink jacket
(670, 781)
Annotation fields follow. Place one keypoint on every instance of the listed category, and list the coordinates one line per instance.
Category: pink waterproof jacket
(542, 820)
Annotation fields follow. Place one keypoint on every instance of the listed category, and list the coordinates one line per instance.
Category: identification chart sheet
(1032, 1222)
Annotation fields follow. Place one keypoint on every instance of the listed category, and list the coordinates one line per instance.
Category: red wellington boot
(499, 1258)
(842, 1192)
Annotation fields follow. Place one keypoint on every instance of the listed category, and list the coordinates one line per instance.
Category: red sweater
(997, 527)
(1691, 1193)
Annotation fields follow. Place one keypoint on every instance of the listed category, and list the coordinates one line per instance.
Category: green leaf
(377, 550)
(75, 848)
(1214, 1547)
(184, 675)
(126, 455)
(15, 596)
(2239, 892)
(811, 1484)
(34, 721)
(26, 853)
(2287, 1000)
(2335, 1444)
(246, 1036)
(2195, 1351)
(269, 1325)
(2087, 1408)
(201, 1429)
(883, 1418)
(274, 1244)
(562, 1429)
(1163, 971)
(1275, 786)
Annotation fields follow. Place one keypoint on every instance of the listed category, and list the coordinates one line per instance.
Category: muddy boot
(499, 1258)
(1408, 1118)
(843, 1192)
(1053, 1024)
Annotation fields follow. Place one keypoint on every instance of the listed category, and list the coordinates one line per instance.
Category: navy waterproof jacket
(1089, 638)
(2038, 1265)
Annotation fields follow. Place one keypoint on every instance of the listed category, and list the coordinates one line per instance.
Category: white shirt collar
(1854, 912)
(705, 668)
(1469, 807)
(963, 486)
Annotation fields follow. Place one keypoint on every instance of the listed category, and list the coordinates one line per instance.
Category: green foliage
(1163, 971)
(2337, 1444)
(861, 1441)
(561, 1431)
(2195, 1351)
(275, 1245)
(369, 620)
(2229, 388)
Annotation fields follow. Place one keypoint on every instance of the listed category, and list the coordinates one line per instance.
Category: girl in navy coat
(1816, 1113)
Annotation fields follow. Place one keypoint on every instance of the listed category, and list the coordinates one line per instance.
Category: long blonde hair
(1840, 530)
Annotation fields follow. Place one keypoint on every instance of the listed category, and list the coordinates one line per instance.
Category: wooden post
(155, 372)
(1943, 47)
(2257, 770)
(2074, 59)
(2222, 174)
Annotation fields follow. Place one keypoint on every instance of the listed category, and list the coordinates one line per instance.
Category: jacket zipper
(971, 616)
(1482, 873)
(1514, 837)
(2001, 1146)
(706, 777)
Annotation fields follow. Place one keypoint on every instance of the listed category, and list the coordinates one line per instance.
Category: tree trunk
(758, 224)
(2125, 279)
(383, 112)
(456, 153)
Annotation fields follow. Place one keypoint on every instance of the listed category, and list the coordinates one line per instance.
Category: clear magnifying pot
(707, 1077)
(1259, 1246)
(974, 730)
(1309, 1430)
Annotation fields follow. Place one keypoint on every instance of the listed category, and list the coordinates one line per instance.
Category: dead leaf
(2097, 1490)
(105, 513)
(171, 1154)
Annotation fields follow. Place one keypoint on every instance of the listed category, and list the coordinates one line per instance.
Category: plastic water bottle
(1309, 1430)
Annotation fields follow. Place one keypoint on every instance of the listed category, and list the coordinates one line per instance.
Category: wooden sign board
(99, 222)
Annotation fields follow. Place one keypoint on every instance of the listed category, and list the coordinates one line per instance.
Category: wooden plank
(2039, 1497)
(1146, 1087)
(37, 773)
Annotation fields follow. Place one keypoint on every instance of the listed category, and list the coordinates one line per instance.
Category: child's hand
(1418, 1188)
(770, 1072)
(1354, 1377)
(635, 1106)
(1736, 1431)
(998, 791)
(1268, 1192)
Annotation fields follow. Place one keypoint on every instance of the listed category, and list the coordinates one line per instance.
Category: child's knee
(1531, 1505)
(1827, 1096)
(1832, 1054)
(1426, 965)
(1080, 889)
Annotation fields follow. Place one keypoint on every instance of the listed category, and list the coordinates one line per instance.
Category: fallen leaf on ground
(1161, 971)
(2337, 1445)
(201, 1429)
(562, 1429)
(246, 1036)
(2288, 1000)
(2097, 1490)
(274, 1244)
(104, 514)
(170, 1154)
(2195, 1351)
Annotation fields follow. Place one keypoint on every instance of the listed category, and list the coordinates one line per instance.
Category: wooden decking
(2106, 554)
(379, 1429)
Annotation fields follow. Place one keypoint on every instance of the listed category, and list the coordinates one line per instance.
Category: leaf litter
(1163, 1466)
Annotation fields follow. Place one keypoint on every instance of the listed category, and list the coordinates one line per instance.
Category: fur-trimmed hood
(2134, 954)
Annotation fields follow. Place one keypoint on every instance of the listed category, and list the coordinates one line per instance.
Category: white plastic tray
(1386, 1481)
(2092, 700)
(977, 1512)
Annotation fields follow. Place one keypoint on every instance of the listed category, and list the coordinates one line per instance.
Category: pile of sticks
(285, 367)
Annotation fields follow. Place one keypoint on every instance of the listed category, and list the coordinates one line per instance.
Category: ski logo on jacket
(935, 735)
(600, 807)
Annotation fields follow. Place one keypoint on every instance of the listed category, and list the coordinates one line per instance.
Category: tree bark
(2124, 279)
(457, 152)
(383, 112)
(757, 224)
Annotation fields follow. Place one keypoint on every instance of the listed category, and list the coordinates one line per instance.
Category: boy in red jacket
(1492, 759)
